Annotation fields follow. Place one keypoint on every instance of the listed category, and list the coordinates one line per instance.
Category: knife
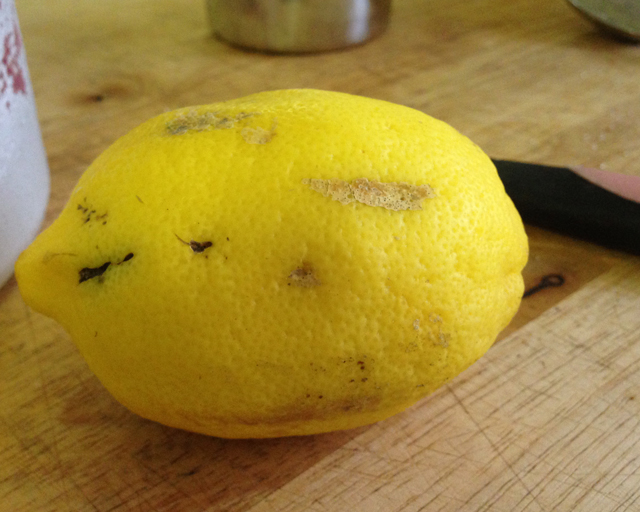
(575, 202)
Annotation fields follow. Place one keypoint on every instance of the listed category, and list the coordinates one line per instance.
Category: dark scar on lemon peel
(87, 273)
(196, 247)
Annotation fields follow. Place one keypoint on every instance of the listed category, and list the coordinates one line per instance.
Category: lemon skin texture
(288, 263)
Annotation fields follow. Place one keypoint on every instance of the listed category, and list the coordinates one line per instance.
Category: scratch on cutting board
(493, 445)
(162, 477)
(53, 447)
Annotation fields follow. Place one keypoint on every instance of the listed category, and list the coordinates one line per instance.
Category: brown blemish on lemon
(258, 135)
(389, 195)
(311, 406)
(436, 319)
(320, 407)
(48, 256)
(303, 276)
(193, 121)
(443, 339)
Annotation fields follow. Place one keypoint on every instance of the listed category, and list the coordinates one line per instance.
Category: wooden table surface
(548, 420)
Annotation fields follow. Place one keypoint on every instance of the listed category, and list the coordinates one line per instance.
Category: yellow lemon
(287, 263)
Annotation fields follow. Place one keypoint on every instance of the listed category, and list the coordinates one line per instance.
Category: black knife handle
(558, 199)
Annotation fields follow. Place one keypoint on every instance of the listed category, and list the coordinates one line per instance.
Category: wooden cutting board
(546, 421)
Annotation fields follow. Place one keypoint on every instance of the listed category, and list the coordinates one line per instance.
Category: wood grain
(548, 420)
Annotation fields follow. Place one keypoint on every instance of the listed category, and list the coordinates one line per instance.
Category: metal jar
(293, 26)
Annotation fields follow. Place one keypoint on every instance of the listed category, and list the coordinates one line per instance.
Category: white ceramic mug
(24, 173)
